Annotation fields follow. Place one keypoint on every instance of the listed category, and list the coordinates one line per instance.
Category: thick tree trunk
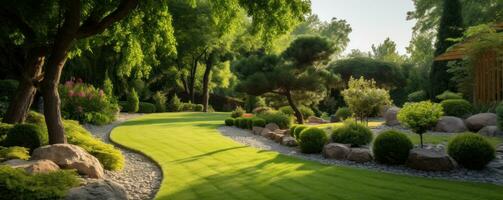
(298, 114)
(206, 82)
(22, 100)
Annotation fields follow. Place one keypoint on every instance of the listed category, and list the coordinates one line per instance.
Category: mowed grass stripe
(199, 163)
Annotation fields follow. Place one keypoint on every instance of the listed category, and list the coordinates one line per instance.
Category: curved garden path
(199, 163)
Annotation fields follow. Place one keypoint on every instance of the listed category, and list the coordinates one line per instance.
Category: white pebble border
(459, 174)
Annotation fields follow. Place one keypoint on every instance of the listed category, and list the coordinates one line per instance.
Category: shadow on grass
(157, 119)
(195, 158)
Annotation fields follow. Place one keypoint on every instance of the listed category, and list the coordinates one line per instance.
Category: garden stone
(315, 120)
(266, 133)
(257, 130)
(272, 126)
(450, 124)
(390, 116)
(479, 121)
(277, 137)
(33, 166)
(336, 151)
(430, 160)
(69, 156)
(98, 190)
(360, 155)
(491, 131)
(289, 141)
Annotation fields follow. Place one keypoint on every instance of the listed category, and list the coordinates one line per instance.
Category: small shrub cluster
(145, 107)
(420, 116)
(343, 113)
(238, 112)
(298, 129)
(160, 101)
(471, 150)
(244, 123)
(14, 153)
(257, 121)
(175, 105)
(364, 98)
(279, 118)
(456, 107)
(449, 95)
(26, 135)
(133, 101)
(229, 122)
(352, 133)
(16, 184)
(188, 107)
(417, 96)
(391, 147)
(312, 140)
(87, 104)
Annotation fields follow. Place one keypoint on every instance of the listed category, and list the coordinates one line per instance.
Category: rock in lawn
(98, 190)
(430, 160)
(450, 124)
(491, 131)
(479, 121)
(360, 155)
(33, 166)
(336, 151)
(390, 116)
(272, 126)
(315, 120)
(257, 130)
(69, 156)
(289, 141)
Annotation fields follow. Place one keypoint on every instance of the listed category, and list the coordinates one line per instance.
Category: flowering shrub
(87, 104)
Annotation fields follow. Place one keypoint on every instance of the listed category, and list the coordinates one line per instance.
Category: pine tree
(451, 26)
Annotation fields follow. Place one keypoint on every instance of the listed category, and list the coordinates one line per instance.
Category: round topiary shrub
(298, 129)
(258, 122)
(238, 112)
(292, 130)
(312, 140)
(229, 122)
(391, 147)
(456, 107)
(343, 113)
(26, 135)
(471, 151)
(352, 133)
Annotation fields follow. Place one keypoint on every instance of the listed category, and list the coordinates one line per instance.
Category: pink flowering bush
(87, 104)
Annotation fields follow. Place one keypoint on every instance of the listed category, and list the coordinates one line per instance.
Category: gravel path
(140, 177)
(247, 138)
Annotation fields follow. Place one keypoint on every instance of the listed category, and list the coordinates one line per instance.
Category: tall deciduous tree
(300, 68)
(451, 26)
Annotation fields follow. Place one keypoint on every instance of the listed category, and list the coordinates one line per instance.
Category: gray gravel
(489, 175)
(140, 177)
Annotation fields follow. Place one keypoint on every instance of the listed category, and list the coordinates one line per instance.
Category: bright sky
(371, 20)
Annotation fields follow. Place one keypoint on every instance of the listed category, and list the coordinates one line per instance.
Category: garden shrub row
(18, 184)
(352, 133)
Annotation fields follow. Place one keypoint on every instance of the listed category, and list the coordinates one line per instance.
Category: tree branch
(92, 26)
(10, 15)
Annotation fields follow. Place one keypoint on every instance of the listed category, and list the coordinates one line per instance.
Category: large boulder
(359, 155)
(98, 190)
(257, 130)
(479, 121)
(315, 120)
(336, 151)
(430, 160)
(266, 133)
(272, 126)
(69, 156)
(390, 116)
(289, 141)
(491, 131)
(450, 124)
(33, 166)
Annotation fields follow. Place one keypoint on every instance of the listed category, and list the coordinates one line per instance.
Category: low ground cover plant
(8, 153)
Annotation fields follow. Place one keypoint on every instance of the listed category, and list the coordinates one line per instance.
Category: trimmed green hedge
(229, 122)
(257, 121)
(146, 107)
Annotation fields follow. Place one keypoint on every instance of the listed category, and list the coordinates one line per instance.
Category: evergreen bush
(391, 147)
(471, 150)
(352, 133)
(312, 140)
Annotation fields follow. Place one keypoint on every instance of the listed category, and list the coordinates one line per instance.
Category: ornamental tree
(301, 68)
(420, 116)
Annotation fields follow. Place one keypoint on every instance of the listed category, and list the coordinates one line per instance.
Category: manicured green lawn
(199, 163)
